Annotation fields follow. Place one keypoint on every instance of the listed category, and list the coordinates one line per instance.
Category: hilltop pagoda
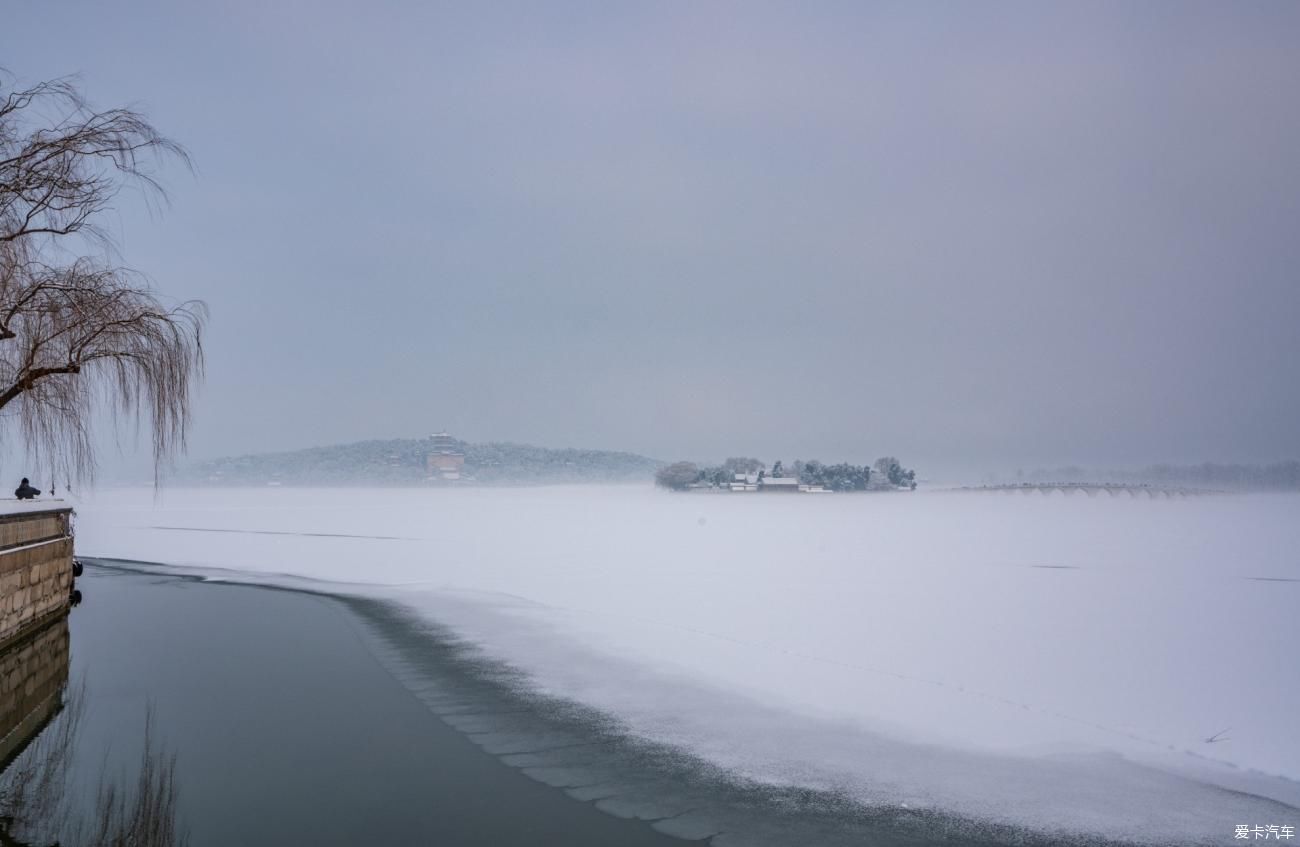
(445, 460)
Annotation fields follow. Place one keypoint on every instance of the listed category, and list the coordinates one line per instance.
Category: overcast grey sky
(972, 235)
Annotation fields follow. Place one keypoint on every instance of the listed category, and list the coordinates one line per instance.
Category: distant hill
(401, 462)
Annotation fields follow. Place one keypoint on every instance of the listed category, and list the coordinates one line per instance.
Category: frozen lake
(1060, 663)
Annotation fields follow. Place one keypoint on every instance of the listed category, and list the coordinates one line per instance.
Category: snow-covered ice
(1057, 662)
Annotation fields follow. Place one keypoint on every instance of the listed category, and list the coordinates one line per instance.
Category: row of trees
(841, 477)
(1283, 476)
(838, 477)
(401, 462)
(723, 474)
(895, 472)
(679, 476)
(1279, 475)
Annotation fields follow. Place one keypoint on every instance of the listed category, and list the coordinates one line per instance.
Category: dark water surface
(298, 718)
(286, 730)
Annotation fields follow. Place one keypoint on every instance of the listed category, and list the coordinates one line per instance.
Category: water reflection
(40, 718)
(33, 676)
(35, 748)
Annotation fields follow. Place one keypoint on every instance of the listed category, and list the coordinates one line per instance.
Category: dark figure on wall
(24, 491)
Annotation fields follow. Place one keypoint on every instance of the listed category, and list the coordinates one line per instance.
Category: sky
(969, 235)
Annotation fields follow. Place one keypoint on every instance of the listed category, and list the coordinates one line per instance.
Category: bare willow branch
(56, 178)
(72, 335)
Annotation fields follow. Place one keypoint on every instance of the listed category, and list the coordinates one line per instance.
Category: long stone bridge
(1092, 489)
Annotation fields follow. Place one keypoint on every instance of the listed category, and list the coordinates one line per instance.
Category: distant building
(781, 483)
(445, 459)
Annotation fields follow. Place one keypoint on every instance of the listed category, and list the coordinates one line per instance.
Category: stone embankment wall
(35, 569)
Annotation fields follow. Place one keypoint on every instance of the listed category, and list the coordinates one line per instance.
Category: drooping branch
(75, 335)
(55, 179)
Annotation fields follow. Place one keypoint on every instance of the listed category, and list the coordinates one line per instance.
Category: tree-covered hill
(402, 462)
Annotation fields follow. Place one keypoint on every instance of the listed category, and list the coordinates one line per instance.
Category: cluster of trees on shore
(838, 477)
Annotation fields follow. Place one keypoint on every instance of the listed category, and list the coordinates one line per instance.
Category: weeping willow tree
(78, 331)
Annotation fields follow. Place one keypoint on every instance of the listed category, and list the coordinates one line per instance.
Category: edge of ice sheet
(750, 773)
